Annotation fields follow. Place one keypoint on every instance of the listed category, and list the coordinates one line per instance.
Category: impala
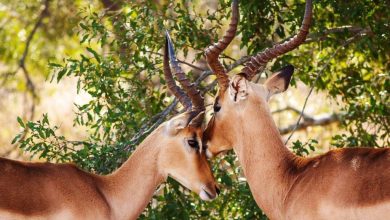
(350, 183)
(63, 191)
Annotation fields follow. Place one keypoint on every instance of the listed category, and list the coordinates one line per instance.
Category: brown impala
(351, 183)
(62, 191)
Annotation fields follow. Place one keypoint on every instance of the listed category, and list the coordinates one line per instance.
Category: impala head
(239, 99)
(184, 157)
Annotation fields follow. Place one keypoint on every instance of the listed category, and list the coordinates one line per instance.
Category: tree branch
(290, 108)
(319, 121)
(321, 36)
(22, 61)
(180, 61)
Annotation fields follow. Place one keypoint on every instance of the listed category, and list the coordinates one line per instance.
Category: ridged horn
(260, 60)
(212, 52)
(176, 90)
(192, 92)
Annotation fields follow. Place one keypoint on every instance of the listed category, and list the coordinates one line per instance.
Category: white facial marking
(204, 196)
(209, 154)
(316, 163)
(355, 162)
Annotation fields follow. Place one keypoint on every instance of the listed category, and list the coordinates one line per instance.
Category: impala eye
(216, 106)
(193, 143)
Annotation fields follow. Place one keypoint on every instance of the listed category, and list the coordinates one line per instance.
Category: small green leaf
(95, 54)
(21, 122)
(30, 125)
(61, 73)
(16, 138)
(55, 65)
(45, 119)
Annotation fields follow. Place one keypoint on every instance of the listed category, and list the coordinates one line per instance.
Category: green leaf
(61, 73)
(16, 138)
(55, 65)
(45, 119)
(95, 54)
(20, 121)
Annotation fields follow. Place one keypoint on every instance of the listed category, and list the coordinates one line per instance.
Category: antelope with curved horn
(62, 191)
(351, 183)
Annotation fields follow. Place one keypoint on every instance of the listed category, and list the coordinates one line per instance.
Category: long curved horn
(194, 94)
(260, 60)
(212, 52)
(176, 91)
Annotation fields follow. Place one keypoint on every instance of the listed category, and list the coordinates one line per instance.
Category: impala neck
(265, 160)
(129, 189)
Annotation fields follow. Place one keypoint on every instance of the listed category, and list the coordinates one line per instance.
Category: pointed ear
(176, 124)
(197, 121)
(279, 82)
(238, 88)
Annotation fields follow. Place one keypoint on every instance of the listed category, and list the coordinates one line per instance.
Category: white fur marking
(355, 163)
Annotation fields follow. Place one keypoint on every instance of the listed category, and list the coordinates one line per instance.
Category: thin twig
(348, 28)
(290, 108)
(180, 61)
(320, 121)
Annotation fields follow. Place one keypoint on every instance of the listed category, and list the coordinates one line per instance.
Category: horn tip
(171, 49)
(167, 37)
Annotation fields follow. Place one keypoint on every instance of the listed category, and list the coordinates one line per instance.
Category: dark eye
(193, 144)
(216, 106)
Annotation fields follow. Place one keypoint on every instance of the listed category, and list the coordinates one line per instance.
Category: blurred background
(81, 81)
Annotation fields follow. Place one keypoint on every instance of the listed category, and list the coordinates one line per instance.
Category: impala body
(351, 183)
(63, 191)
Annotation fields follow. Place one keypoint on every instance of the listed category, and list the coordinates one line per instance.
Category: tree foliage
(120, 66)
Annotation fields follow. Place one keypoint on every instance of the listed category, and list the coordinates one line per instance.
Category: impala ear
(197, 121)
(279, 82)
(177, 123)
(238, 88)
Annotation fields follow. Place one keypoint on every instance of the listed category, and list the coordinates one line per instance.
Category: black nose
(217, 190)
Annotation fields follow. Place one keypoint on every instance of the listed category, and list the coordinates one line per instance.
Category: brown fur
(352, 183)
(42, 189)
(63, 191)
